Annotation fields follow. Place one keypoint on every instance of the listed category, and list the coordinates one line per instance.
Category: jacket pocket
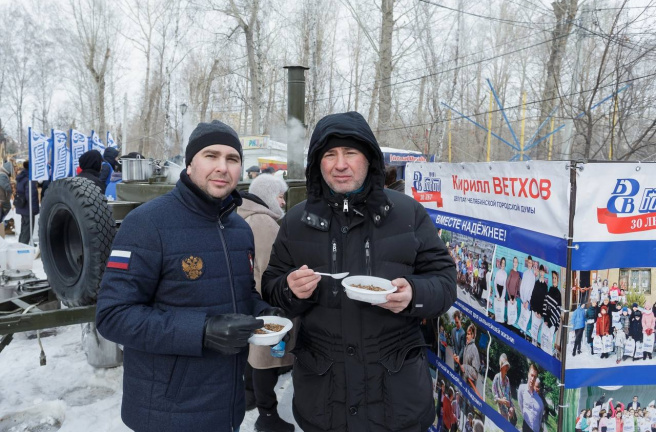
(407, 392)
(177, 377)
(313, 388)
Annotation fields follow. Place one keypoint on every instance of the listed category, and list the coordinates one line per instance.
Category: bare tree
(20, 62)
(564, 11)
(94, 38)
(247, 16)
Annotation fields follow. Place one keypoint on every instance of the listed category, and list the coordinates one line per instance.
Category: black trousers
(577, 340)
(526, 427)
(24, 236)
(262, 383)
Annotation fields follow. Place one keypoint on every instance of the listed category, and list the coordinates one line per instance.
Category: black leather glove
(229, 333)
(273, 311)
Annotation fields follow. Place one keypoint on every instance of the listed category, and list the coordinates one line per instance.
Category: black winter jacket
(635, 325)
(360, 367)
(23, 185)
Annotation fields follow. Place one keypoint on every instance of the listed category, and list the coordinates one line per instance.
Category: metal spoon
(334, 276)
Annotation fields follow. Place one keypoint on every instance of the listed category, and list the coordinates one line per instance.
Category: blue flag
(95, 142)
(110, 141)
(61, 155)
(79, 145)
(38, 149)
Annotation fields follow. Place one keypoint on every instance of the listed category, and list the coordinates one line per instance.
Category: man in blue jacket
(178, 293)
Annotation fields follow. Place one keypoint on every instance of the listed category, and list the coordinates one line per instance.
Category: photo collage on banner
(615, 408)
(612, 324)
(498, 385)
(505, 225)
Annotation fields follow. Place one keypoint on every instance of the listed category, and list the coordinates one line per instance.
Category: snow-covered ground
(67, 394)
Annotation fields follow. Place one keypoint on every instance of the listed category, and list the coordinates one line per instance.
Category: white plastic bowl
(364, 295)
(271, 338)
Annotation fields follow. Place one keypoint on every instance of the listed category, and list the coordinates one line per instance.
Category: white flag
(110, 140)
(96, 144)
(38, 149)
(79, 145)
(61, 155)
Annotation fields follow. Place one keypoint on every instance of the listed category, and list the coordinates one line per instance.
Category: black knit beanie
(335, 141)
(207, 134)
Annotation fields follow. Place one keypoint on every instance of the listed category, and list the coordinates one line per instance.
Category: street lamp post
(183, 110)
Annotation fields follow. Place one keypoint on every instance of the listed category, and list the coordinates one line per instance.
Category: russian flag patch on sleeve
(119, 259)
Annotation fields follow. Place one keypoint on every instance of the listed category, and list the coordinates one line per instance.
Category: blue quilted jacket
(188, 257)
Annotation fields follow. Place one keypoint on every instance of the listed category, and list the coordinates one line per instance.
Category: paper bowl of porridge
(275, 328)
(368, 289)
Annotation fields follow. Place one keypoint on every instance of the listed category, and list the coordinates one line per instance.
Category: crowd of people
(473, 269)
(455, 414)
(614, 416)
(615, 328)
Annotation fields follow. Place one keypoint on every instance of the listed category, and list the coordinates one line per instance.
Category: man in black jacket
(358, 366)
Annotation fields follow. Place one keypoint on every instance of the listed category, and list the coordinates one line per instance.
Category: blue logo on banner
(431, 183)
(623, 195)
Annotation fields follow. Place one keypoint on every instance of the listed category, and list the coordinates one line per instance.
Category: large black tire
(76, 230)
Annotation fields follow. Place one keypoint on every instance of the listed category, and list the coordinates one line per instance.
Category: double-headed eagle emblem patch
(193, 267)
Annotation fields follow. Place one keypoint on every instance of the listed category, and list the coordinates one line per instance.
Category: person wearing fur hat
(178, 293)
(351, 223)
(262, 207)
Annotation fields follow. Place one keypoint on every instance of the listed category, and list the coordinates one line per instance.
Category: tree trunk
(385, 71)
(565, 11)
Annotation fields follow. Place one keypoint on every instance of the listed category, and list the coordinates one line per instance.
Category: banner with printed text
(611, 337)
(79, 145)
(506, 226)
(61, 155)
(39, 156)
(517, 205)
(615, 208)
(498, 349)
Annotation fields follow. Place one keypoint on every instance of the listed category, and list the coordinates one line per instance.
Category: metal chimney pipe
(295, 110)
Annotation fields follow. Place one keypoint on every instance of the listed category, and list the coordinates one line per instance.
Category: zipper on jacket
(234, 308)
(226, 211)
(367, 256)
(334, 267)
(229, 265)
(345, 205)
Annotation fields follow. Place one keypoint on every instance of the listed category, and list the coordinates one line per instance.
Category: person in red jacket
(615, 294)
(603, 326)
(448, 419)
